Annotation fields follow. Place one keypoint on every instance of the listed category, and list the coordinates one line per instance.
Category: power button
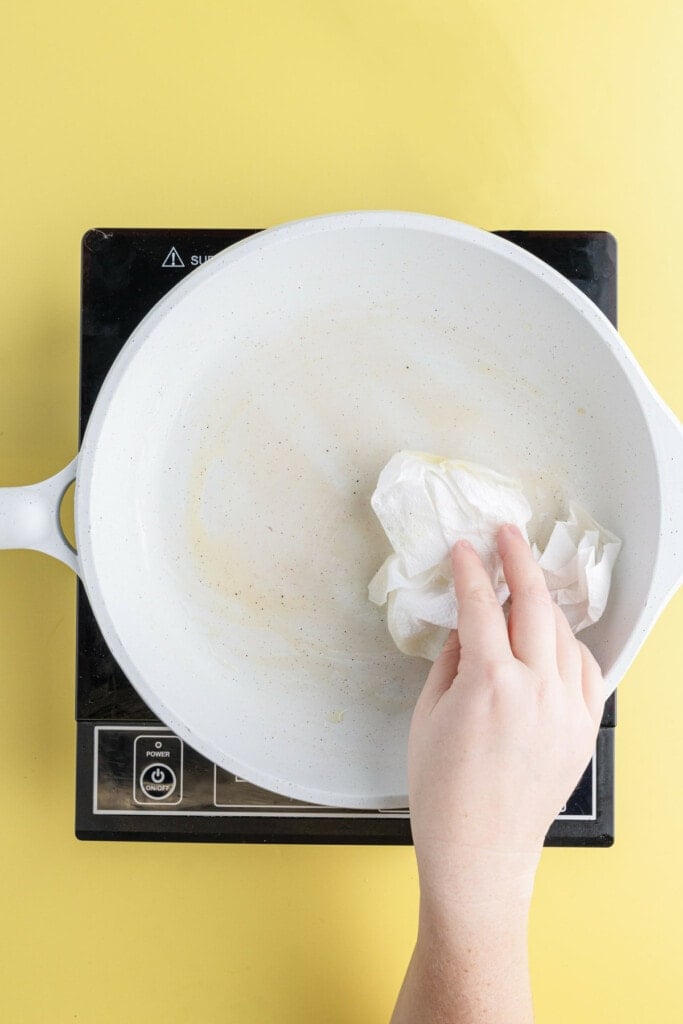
(158, 782)
(157, 769)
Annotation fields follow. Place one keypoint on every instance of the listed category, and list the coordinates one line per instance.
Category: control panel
(149, 770)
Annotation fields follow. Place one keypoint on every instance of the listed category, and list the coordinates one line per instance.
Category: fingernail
(465, 544)
(510, 530)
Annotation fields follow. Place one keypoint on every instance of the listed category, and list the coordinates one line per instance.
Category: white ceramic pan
(223, 522)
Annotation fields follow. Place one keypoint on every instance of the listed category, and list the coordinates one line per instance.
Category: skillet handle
(667, 434)
(29, 517)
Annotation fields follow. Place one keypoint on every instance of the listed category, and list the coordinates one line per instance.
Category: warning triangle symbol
(173, 259)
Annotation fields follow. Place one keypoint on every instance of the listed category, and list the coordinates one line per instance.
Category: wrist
(475, 888)
(483, 936)
(458, 919)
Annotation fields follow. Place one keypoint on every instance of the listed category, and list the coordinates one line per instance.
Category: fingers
(592, 683)
(568, 654)
(578, 667)
(532, 626)
(481, 622)
(442, 672)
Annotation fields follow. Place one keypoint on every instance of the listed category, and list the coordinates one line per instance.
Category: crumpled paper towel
(426, 503)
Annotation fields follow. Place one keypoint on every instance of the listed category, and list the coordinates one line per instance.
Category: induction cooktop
(135, 780)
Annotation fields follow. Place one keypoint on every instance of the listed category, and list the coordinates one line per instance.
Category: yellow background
(536, 114)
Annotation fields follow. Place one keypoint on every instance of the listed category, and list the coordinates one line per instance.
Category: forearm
(468, 968)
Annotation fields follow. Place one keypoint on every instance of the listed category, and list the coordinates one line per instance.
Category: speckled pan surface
(223, 515)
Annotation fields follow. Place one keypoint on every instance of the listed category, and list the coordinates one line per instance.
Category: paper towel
(426, 503)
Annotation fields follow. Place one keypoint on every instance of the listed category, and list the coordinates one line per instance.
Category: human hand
(501, 733)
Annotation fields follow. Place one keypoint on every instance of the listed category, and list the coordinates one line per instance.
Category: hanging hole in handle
(66, 514)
